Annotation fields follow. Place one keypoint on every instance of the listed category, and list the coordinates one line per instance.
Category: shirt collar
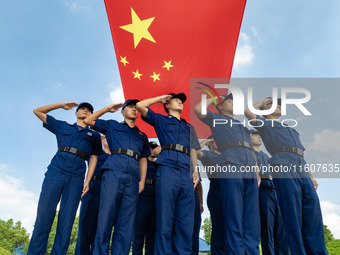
(173, 117)
(124, 123)
(81, 128)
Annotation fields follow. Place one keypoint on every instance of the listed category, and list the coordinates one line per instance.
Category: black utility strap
(74, 151)
(295, 150)
(150, 182)
(235, 144)
(126, 152)
(176, 147)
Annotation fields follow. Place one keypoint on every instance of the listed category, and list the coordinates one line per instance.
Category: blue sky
(57, 51)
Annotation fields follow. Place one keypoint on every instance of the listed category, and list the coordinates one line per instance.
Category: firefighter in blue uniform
(174, 185)
(299, 202)
(198, 195)
(64, 179)
(123, 177)
(239, 190)
(209, 158)
(145, 221)
(273, 234)
(88, 216)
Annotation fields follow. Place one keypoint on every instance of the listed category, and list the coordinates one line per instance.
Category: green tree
(3, 251)
(333, 247)
(328, 235)
(207, 229)
(73, 238)
(12, 236)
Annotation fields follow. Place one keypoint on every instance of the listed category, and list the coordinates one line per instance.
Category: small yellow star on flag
(137, 74)
(123, 60)
(167, 65)
(155, 76)
(139, 28)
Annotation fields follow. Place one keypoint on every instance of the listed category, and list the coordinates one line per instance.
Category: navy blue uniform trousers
(118, 201)
(145, 225)
(273, 234)
(56, 186)
(241, 214)
(300, 209)
(175, 214)
(88, 218)
(197, 225)
(214, 203)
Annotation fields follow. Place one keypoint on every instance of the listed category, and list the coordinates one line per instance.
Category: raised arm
(143, 105)
(251, 116)
(91, 120)
(198, 107)
(41, 112)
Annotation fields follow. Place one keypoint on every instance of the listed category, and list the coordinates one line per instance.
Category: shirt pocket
(65, 137)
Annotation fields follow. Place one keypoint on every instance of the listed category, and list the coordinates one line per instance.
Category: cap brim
(181, 96)
(132, 102)
(87, 105)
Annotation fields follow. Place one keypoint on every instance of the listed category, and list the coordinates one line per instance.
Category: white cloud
(16, 202)
(331, 217)
(72, 5)
(116, 94)
(254, 31)
(325, 144)
(244, 52)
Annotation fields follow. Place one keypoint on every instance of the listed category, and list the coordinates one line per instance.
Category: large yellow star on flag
(139, 28)
(155, 76)
(137, 74)
(123, 60)
(167, 65)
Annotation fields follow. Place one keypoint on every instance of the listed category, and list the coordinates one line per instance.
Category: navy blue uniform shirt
(278, 136)
(262, 160)
(225, 133)
(83, 139)
(170, 130)
(210, 159)
(121, 135)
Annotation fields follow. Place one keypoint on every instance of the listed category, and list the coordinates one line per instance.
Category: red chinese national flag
(161, 44)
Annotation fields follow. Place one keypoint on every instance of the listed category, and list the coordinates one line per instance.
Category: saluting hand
(266, 102)
(163, 99)
(114, 107)
(69, 105)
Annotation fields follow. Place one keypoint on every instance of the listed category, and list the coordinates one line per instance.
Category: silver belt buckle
(179, 147)
(129, 152)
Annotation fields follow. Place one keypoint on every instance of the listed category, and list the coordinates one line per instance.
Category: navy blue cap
(227, 96)
(153, 144)
(278, 102)
(180, 95)
(87, 105)
(254, 131)
(130, 102)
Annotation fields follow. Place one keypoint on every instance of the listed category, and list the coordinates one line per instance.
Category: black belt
(295, 150)
(126, 152)
(74, 151)
(96, 178)
(266, 177)
(176, 147)
(150, 182)
(235, 144)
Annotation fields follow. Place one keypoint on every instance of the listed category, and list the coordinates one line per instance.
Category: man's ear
(122, 112)
(219, 107)
(76, 113)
